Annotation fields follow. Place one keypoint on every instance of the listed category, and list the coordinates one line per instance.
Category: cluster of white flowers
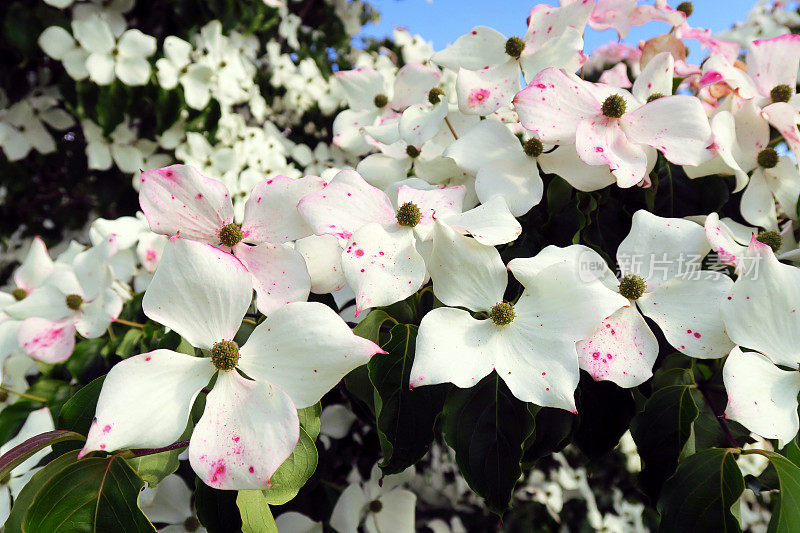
(432, 164)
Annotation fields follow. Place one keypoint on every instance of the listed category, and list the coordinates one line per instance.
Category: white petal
(396, 514)
(146, 400)
(35, 268)
(304, 348)
(134, 43)
(480, 47)
(132, 71)
(622, 349)
(271, 215)
(247, 430)
(490, 223)
(762, 311)
(381, 170)
(348, 511)
(323, 258)
(655, 78)
(94, 35)
(564, 162)
(435, 202)
(484, 91)
(100, 68)
(199, 291)
(723, 240)
(465, 273)
(98, 314)
(687, 309)
(761, 396)
(453, 347)
(412, 83)
(279, 274)
(421, 123)
(361, 86)
(487, 142)
(757, 205)
(382, 267)
(56, 41)
(603, 142)
(658, 249)
(563, 51)
(773, 62)
(516, 180)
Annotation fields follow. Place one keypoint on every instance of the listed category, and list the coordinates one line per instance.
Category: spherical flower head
(771, 238)
(533, 147)
(74, 301)
(654, 96)
(408, 215)
(614, 106)
(225, 355)
(632, 287)
(231, 234)
(435, 95)
(191, 524)
(19, 294)
(514, 47)
(686, 8)
(502, 314)
(375, 506)
(781, 93)
(768, 158)
(412, 151)
(380, 101)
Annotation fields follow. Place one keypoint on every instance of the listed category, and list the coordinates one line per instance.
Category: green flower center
(19, 294)
(533, 147)
(380, 101)
(231, 234)
(514, 47)
(686, 8)
(412, 151)
(767, 158)
(225, 355)
(502, 314)
(191, 524)
(74, 301)
(781, 93)
(654, 96)
(409, 215)
(614, 106)
(771, 238)
(632, 287)
(435, 95)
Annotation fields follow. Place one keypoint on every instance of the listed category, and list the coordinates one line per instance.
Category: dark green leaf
(405, 416)
(604, 414)
(700, 495)
(18, 454)
(553, 429)
(661, 433)
(216, 509)
(785, 516)
(155, 467)
(487, 426)
(78, 412)
(92, 494)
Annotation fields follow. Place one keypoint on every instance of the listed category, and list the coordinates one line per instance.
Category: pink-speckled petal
(762, 311)
(603, 142)
(723, 240)
(382, 267)
(199, 291)
(146, 400)
(481, 47)
(247, 430)
(676, 126)
(178, 200)
(482, 92)
(279, 274)
(784, 118)
(97, 315)
(656, 77)
(49, 341)
(412, 83)
(270, 214)
(347, 204)
(687, 311)
(773, 62)
(438, 203)
(553, 105)
(761, 396)
(622, 349)
(304, 348)
(453, 347)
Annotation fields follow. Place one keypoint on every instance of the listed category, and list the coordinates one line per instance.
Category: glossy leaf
(18, 454)
(294, 472)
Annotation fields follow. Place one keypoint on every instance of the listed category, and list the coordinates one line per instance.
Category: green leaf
(309, 419)
(78, 412)
(24, 499)
(786, 515)
(604, 414)
(129, 345)
(155, 467)
(294, 472)
(216, 509)
(553, 431)
(405, 416)
(661, 433)
(92, 494)
(18, 454)
(487, 426)
(255, 513)
(370, 327)
(700, 495)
